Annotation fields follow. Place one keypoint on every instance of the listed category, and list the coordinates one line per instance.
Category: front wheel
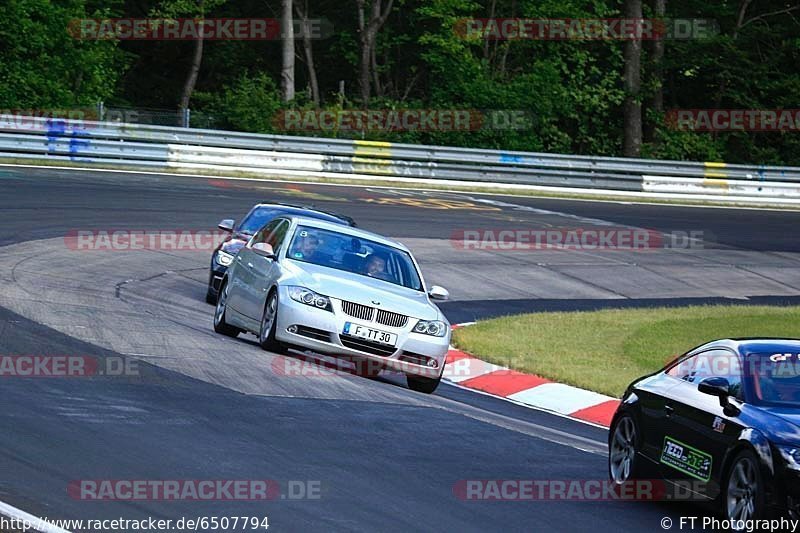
(269, 323)
(423, 385)
(211, 298)
(220, 326)
(622, 460)
(744, 492)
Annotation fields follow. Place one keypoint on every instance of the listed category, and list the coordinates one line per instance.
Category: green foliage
(249, 104)
(571, 91)
(42, 66)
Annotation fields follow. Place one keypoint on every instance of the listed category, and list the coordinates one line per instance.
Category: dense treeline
(578, 96)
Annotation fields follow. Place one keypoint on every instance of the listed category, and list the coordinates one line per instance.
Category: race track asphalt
(204, 407)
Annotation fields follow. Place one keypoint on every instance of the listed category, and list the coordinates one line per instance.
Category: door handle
(669, 410)
(250, 265)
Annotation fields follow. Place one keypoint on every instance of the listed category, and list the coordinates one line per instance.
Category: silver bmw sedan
(340, 291)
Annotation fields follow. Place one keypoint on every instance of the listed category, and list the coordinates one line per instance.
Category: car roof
(745, 345)
(347, 230)
(767, 344)
(309, 211)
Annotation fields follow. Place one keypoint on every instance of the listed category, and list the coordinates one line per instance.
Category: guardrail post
(186, 114)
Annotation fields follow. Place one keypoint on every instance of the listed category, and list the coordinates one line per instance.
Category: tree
(287, 51)
(194, 8)
(45, 61)
(656, 76)
(632, 77)
(308, 50)
(369, 24)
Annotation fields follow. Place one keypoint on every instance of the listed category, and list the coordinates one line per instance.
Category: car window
(775, 378)
(256, 219)
(353, 254)
(277, 236)
(264, 233)
(711, 363)
(260, 215)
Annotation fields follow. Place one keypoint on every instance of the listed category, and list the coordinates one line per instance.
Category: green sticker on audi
(689, 460)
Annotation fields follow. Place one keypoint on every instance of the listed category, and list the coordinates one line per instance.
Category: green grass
(605, 350)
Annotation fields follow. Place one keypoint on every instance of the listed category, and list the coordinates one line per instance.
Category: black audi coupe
(724, 419)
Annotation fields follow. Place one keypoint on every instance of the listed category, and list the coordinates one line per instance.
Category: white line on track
(26, 518)
(526, 405)
(632, 195)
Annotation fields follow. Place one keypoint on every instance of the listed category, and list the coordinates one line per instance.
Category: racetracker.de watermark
(588, 490)
(67, 123)
(193, 489)
(85, 525)
(755, 120)
(304, 365)
(584, 29)
(192, 29)
(777, 365)
(394, 120)
(136, 240)
(583, 239)
(66, 366)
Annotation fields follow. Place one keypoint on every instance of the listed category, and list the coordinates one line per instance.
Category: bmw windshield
(353, 254)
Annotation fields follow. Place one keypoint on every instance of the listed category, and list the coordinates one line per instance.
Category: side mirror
(438, 293)
(264, 250)
(227, 225)
(715, 386)
(721, 388)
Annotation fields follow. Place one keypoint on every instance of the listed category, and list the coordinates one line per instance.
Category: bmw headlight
(309, 297)
(436, 328)
(224, 258)
(791, 455)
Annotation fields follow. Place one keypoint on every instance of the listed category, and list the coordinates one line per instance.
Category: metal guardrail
(102, 143)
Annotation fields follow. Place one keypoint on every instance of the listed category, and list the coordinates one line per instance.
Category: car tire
(220, 325)
(269, 324)
(211, 298)
(623, 446)
(423, 385)
(743, 496)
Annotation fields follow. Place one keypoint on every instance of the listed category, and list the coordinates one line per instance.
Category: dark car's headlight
(791, 455)
(309, 297)
(436, 328)
(223, 258)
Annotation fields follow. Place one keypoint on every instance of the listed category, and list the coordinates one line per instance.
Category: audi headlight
(791, 455)
(436, 328)
(309, 297)
(224, 258)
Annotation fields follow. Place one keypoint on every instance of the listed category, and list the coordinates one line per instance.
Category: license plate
(363, 332)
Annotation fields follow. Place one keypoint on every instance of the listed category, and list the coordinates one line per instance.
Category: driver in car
(375, 267)
(306, 248)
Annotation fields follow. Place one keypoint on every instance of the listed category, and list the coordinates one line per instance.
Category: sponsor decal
(687, 459)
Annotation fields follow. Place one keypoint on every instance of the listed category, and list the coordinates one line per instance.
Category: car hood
(784, 424)
(361, 289)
